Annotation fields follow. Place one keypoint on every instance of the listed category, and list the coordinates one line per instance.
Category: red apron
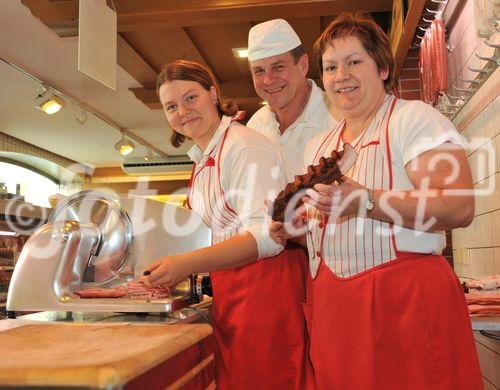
(401, 325)
(393, 320)
(259, 325)
(257, 317)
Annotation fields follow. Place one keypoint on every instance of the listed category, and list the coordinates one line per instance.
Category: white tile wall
(489, 260)
(482, 237)
(496, 254)
(488, 195)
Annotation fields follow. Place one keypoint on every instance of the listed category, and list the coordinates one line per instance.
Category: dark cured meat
(326, 172)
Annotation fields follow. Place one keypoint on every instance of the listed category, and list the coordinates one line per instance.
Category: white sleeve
(311, 148)
(254, 173)
(417, 128)
(254, 122)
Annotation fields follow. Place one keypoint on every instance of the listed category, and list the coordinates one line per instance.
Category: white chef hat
(271, 38)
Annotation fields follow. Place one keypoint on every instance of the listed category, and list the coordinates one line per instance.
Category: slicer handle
(201, 285)
(206, 286)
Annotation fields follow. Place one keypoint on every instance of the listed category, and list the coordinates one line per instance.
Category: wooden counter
(112, 355)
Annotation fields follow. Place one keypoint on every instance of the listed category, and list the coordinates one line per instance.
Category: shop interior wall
(476, 249)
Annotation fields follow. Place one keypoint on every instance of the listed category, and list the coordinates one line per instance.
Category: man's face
(278, 79)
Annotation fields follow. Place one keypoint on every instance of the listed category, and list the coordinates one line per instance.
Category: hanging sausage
(441, 67)
(425, 69)
(433, 55)
(433, 62)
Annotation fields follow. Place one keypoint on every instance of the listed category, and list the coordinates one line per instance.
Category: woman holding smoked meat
(258, 322)
(385, 310)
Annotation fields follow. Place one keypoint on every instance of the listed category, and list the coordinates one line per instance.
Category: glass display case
(10, 247)
(17, 222)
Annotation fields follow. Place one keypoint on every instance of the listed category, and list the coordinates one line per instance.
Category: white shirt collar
(196, 154)
(314, 98)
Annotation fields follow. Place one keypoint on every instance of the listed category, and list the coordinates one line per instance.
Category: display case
(17, 221)
(10, 247)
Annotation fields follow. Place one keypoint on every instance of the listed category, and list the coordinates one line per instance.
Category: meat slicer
(101, 239)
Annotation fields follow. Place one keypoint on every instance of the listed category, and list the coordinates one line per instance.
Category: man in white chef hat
(297, 109)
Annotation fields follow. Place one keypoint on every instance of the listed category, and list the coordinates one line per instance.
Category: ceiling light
(82, 118)
(240, 52)
(124, 146)
(48, 102)
(148, 155)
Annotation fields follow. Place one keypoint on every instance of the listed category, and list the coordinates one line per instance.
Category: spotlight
(82, 118)
(148, 155)
(124, 146)
(240, 52)
(48, 102)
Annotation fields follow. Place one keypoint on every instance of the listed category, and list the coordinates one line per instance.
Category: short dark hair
(193, 71)
(371, 35)
(298, 52)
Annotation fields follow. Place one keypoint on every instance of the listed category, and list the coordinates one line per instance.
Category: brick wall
(408, 85)
(12, 144)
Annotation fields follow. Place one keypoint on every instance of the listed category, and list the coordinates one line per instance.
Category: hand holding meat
(347, 198)
(167, 271)
(280, 232)
(327, 171)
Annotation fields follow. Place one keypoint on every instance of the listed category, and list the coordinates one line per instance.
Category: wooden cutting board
(90, 355)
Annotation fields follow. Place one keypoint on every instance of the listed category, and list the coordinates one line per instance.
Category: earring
(216, 102)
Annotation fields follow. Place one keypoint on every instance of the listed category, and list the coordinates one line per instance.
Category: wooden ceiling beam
(148, 97)
(62, 16)
(241, 88)
(134, 64)
(250, 12)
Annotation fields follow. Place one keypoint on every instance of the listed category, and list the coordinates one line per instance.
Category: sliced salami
(132, 290)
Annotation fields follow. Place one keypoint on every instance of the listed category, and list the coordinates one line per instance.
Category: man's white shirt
(315, 118)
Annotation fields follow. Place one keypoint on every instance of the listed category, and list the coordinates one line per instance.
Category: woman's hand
(293, 230)
(280, 232)
(167, 271)
(277, 232)
(337, 200)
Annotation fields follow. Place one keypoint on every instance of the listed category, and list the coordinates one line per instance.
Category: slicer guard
(100, 239)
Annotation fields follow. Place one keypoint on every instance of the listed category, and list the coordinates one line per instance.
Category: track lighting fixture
(148, 155)
(51, 100)
(82, 118)
(48, 102)
(124, 146)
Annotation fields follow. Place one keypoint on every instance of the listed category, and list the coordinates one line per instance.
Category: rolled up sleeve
(255, 174)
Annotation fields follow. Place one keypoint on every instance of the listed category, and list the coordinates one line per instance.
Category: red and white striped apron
(257, 316)
(379, 318)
